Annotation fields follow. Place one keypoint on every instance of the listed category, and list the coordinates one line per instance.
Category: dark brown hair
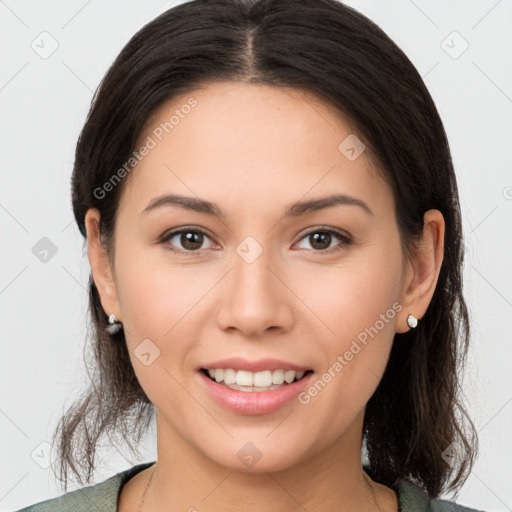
(330, 49)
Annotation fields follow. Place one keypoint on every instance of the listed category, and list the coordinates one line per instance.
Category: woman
(273, 227)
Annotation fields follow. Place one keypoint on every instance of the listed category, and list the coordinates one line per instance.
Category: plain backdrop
(463, 51)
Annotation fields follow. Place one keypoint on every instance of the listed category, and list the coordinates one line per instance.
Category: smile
(247, 395)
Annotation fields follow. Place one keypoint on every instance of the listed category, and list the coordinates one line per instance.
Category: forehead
(249, 142)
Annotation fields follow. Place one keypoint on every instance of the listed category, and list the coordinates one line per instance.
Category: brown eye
(191, 240)
(320, 240)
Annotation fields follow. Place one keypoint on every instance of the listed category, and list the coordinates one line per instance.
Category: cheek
(161, 303)
(153, 293)
(160, 306)
(358, 303)
(353, 295)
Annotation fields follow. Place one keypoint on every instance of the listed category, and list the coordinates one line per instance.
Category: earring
(412, 321)
(115, 326)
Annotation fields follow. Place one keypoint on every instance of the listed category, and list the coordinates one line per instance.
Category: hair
(335, 52)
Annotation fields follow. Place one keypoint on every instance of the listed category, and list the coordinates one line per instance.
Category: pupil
(322, 236)
(187, 240)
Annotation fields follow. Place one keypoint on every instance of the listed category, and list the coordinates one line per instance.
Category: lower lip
(254, 402)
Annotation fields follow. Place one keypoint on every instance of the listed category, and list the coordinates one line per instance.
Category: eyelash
(165, 239)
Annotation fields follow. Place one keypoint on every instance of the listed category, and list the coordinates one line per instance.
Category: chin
(254, 456)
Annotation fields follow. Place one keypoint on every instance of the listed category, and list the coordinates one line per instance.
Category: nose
(255, 296)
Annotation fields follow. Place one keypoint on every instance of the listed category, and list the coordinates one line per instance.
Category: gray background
(43, 103)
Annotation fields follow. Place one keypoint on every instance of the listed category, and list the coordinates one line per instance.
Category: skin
(253, 150)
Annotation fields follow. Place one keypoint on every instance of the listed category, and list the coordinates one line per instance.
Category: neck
(331, 480)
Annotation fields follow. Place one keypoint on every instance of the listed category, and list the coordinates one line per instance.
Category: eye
(191, 240)
(321, 239)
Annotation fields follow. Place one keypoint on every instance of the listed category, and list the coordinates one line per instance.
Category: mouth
(259, 393)
(261, 381)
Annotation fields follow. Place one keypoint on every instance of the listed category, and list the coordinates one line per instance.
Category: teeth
(262, 379)
(229, 376)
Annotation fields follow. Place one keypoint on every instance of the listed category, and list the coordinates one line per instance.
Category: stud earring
(115, 326)
(412, 321)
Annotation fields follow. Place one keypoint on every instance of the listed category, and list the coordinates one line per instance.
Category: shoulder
(414, 499)
(95, 498)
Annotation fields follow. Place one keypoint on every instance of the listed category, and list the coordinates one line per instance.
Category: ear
(101, 269)
(422, 270)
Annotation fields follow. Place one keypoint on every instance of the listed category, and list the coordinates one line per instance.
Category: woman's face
(257, 282)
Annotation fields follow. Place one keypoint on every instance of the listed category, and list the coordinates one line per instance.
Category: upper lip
(238, 363)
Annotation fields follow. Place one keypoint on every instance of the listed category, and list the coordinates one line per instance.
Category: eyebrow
(294, 210)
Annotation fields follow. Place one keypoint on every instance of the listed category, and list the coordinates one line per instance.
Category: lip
(238, 363)
(256, 402)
